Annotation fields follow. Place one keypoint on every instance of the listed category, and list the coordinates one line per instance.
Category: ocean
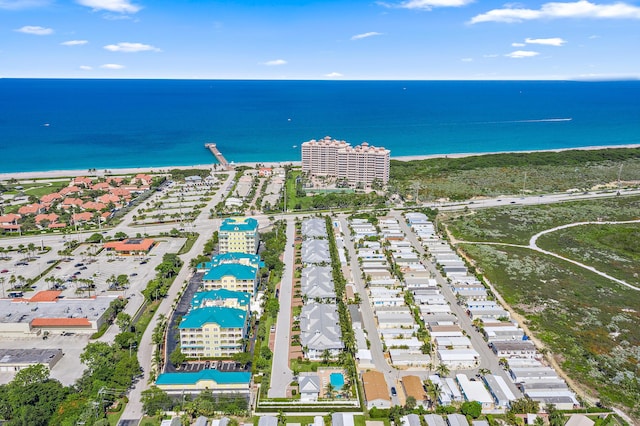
(58, 124)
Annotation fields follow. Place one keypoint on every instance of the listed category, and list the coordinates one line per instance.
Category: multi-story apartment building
(216, 324)
(238, 235)
(319, 157)
(231, 276)
(252, 260)
(362, 164)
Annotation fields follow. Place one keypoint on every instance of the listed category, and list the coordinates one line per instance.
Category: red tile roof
(50, 197)
(101, 186)
(46, 296)
(92, 205)
(70, 201)
(130, 245)
(69, 190)
(60, 322)
(82, 217)
(31, 208)
(10, 218)
(51, 217)
(9, 227)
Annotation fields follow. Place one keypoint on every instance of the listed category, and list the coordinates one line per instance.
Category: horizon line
(572, 79)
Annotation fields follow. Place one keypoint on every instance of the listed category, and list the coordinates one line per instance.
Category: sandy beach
(129, 171)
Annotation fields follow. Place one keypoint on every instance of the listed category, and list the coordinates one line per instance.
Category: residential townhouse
(320, 330)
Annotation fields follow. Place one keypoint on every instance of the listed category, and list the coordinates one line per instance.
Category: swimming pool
(337, 381)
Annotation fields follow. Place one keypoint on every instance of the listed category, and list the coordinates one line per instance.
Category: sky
(318, 40)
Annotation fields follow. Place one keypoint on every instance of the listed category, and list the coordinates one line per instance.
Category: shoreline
(135, 170)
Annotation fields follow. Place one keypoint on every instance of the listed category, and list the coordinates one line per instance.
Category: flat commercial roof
(23, 311)
(28, 356)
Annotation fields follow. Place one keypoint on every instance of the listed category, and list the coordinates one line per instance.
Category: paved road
(368, 316)
(488, 359)
(133, 410)
(281, 374)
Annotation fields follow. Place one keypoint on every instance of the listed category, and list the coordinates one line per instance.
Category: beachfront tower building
(239, 235)
(362, 164)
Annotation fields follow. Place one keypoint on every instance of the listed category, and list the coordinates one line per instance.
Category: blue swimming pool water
(337, 381)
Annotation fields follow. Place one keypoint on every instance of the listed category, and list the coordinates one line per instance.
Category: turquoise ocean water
(81, 124)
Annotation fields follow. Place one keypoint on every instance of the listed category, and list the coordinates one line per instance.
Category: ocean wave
(541, 120)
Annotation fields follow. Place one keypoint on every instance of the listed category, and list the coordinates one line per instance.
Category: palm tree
(31, 248)
(326, 356)
(442, 370)
(434, 394)
(484, 371)
(329, 390)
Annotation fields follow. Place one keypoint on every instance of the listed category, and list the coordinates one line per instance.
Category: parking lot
(68, 369)
(225, 366)
(70, 274)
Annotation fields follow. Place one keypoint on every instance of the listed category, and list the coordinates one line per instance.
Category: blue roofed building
(221, 297)
(213, 331)
(232, 257)
(219, 382)
(238, 234)
(231, 276)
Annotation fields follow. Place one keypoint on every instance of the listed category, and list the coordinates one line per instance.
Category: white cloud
(275, 63)
(120, 6)
(35, 30)
(492, 55)
(557, 10)
(86, 67)
(427, 4)
(131, 47)
(74, 42)
(518, 54)
(333, 75)
(22, 4)
(365, 35)
(112, 66)
(518, 44)
(554, 41)
(467, 59)
(593, 37)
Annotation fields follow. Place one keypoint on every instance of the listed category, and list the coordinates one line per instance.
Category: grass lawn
(516, 225)
(45, 188)
(191, 239)
(150, 421)
(303, 420)
(502, 174)
(361, 420)
(304, 366)
(613, 249)
(589, 322)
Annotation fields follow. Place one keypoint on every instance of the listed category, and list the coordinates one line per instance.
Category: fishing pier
(216, 153)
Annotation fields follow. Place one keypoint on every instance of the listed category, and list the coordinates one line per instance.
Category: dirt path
(533, 245)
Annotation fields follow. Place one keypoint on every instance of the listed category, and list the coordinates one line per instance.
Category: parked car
(393, 391)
